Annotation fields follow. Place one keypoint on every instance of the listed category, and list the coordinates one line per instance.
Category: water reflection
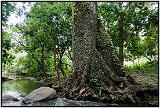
(22, 86)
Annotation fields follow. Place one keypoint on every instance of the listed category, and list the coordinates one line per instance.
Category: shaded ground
(145, 77)
(148, 78)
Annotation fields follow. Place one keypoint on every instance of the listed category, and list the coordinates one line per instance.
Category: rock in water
(9, 98)
(40, 94)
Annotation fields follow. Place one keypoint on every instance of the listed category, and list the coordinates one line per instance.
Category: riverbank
(140, 77)
(18, 87)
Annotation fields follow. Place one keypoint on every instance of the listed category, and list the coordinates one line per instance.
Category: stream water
(20, 87)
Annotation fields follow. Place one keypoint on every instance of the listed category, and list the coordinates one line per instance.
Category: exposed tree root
(122, 94)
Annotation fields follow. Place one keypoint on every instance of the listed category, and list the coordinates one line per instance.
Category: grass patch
(151, 67)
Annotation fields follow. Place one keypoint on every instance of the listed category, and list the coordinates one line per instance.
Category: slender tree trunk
(55, 65)
(39, 67)
(60, 65)
(42, 62)
(60, 53)
(121, 40)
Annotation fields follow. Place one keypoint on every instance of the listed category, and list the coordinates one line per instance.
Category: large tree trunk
(94, 58)
(87, 59)
(92, 50)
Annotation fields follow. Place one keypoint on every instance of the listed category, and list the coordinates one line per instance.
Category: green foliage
(67, 65)
(47, 25)
(150, 43)
(139, 18)
(7, 8)
(7, 57)
(27, 66)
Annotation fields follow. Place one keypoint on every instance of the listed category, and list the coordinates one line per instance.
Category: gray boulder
(9, 98)
(40, 94)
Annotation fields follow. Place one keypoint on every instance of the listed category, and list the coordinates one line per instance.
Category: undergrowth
(146, 67)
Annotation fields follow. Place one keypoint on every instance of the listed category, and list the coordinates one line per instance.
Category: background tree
(47, 36)
(7, 9)
(129, 21)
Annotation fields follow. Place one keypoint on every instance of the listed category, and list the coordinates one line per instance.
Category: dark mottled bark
(105, 47)
(88, 60)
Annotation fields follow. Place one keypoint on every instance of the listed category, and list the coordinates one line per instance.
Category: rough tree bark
(93, 57)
